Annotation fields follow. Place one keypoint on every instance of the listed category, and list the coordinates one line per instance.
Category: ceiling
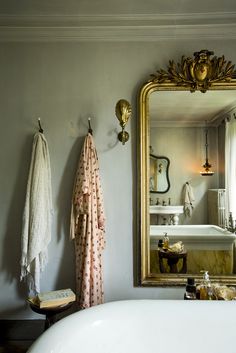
(130, 20)
(112, 20)
(190, 109)
(127, 7)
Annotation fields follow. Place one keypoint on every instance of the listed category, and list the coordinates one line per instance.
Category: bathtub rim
(198, 226)
(120, 306)
(222, 240)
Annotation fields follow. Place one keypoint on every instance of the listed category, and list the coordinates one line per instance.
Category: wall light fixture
(123, 113)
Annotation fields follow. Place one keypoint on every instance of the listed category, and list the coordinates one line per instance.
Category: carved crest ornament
(197, 73)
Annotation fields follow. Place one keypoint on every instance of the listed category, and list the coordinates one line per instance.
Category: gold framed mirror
(197, 78)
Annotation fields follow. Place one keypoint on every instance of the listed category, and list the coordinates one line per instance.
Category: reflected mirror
(177, 107)
(159, 174)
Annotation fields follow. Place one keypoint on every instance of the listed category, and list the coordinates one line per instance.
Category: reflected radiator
(216, 207)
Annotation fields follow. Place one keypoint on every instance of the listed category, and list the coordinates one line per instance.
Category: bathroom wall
(185, 148)
(64, 83)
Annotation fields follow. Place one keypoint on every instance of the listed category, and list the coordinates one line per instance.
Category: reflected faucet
(157, 202)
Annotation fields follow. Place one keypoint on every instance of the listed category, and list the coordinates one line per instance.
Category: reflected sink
(158, 209)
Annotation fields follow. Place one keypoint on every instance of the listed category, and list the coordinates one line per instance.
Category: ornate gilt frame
(200, 73)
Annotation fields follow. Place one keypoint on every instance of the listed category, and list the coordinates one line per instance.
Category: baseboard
(20, 330)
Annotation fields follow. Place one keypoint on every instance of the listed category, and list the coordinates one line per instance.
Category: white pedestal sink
(173, 211)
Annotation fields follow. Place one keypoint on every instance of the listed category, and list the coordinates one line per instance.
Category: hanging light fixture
(207, 166)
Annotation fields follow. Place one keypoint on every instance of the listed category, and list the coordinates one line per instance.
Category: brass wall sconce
(123, 113)
(207, 166)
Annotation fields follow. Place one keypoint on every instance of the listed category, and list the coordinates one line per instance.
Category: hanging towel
(36, 230)
(188, 199)
(88, 227)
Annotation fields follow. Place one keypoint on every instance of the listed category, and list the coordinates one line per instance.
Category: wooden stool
(172, 261)
(51, 313)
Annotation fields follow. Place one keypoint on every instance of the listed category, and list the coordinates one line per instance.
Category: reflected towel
(188, 200)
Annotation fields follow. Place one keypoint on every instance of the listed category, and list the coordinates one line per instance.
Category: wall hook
(40, 127)
(89, 124)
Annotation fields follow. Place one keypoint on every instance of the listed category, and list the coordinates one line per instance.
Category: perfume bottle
(206, 292)
(165, 242)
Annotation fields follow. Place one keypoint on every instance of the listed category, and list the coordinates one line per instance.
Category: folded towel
(176, 247)
(188, 200)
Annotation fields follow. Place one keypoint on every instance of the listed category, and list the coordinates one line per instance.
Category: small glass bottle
(165, 242)
(190, 292)
(160, 243)
(206, 292)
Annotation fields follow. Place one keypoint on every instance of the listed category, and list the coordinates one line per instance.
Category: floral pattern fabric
(88, 227)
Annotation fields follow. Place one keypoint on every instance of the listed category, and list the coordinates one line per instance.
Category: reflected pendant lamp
(207, 166)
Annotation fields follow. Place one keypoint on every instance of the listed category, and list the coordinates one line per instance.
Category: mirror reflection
(178, 122)
(177, 129)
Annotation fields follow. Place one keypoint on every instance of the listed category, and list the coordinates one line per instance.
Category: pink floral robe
(88, 227)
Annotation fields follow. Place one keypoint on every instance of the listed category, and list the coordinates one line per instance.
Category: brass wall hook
(123, 113)
(40, 126)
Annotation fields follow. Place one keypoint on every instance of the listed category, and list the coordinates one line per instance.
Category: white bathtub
(197, 237)
(144, 326)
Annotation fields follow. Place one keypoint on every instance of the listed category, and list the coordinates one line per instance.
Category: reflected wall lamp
(207, 166)
(123, 113)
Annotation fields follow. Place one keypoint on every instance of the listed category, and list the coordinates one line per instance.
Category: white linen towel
(36, 229)
(188, 199)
